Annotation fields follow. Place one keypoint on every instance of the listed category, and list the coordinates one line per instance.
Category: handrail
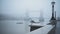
(43, 30)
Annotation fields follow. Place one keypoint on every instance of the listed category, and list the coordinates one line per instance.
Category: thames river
(15, 27)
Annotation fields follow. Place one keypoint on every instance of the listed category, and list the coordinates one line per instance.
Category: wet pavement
(58, 27)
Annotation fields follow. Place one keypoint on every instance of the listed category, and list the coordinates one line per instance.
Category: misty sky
(18, 8)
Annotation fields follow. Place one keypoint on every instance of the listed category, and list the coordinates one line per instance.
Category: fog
(11, 11)
(18, 8)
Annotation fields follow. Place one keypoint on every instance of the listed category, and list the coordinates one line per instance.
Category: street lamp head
(53, 3)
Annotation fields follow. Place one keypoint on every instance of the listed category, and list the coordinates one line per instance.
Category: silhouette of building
(41, 19)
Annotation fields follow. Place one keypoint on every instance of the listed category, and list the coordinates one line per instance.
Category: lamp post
(53, 18)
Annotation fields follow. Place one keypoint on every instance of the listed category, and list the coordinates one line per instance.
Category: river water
(14, 27)
(18, 27)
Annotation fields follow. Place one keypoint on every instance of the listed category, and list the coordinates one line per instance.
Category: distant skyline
(18, 8)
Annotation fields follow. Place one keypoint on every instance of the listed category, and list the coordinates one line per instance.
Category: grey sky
(18, 8)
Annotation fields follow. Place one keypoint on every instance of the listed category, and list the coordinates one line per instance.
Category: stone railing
(43, 30)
